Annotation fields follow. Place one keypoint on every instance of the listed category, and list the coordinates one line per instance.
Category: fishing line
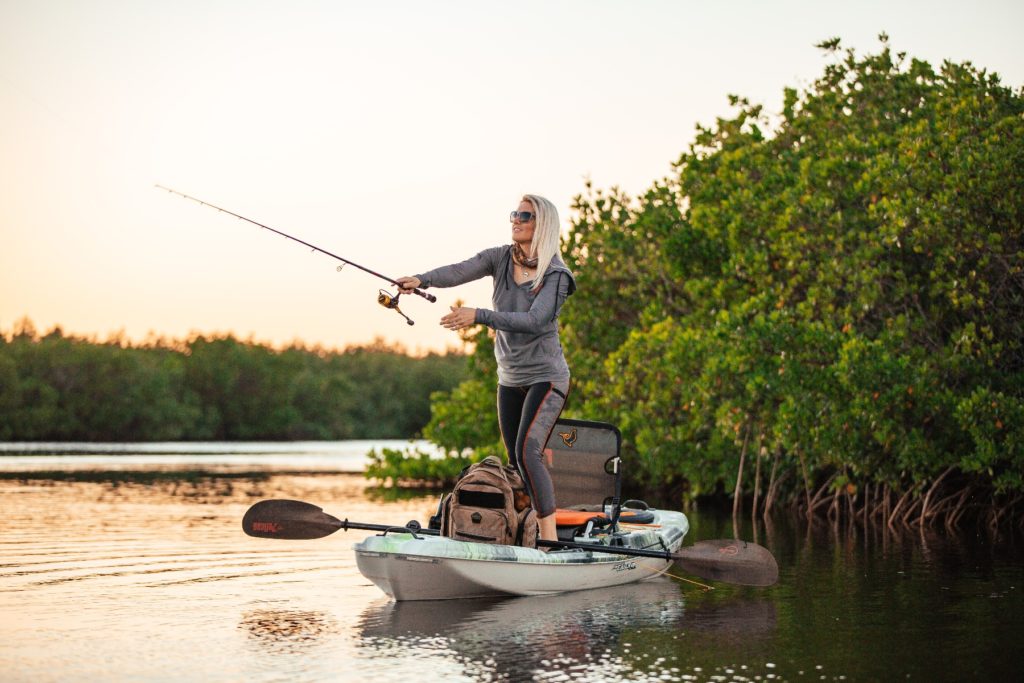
(385, 299)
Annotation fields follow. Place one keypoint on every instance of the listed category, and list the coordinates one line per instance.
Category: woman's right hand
(407, 284)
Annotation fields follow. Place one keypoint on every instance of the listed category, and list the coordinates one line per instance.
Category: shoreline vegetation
(62, 388)
(819, 311)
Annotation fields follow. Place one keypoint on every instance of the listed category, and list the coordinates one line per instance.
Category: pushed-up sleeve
(542, 311)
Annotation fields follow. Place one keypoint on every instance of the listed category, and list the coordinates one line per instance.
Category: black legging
(526, 416)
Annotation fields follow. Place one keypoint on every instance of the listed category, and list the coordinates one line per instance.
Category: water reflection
(288, 631)
(115, 574)
(299, 456)
(595, 635)
(743, 618)
(521, 637)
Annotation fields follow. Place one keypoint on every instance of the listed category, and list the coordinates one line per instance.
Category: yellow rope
(703, 586)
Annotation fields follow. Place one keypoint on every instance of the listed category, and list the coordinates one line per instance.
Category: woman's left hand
(459, 318)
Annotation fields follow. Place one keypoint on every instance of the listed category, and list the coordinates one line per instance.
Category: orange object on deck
(581, 517)
(577, 517)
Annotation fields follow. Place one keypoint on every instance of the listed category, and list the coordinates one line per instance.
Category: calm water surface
(142, 573)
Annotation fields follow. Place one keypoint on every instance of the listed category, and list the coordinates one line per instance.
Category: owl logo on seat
(568, 438)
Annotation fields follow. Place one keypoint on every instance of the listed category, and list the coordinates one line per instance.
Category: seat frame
(612, 464)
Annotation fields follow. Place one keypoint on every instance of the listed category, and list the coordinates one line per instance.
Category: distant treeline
(64, 388)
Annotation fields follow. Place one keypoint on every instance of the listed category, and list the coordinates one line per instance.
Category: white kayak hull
(437, 568)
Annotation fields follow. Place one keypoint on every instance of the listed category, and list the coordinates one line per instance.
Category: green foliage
(623, 245)
(65, 388)
(412, 467)
(839, 288)
(845, 291)
(995, 423)
(464, 421)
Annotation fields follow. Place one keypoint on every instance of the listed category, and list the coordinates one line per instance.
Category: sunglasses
(523, 216)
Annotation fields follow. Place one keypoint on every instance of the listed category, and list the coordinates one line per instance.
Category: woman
(530, 285)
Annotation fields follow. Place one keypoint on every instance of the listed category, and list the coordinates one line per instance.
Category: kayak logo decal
(730, 550)
(624, 566)
(266, 527)
(568, 438)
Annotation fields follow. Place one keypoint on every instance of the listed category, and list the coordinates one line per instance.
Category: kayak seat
(582, 458)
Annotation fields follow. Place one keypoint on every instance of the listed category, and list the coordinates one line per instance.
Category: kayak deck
(408, 567)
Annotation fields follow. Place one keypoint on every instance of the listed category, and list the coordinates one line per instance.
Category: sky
(397, 134)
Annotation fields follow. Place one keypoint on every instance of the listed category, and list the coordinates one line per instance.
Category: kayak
(600, 544)
(414, 566)
(613, 548)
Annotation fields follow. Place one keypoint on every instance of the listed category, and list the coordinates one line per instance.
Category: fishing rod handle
(426, 295)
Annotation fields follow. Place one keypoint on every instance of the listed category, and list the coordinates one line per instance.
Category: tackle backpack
(489, 505)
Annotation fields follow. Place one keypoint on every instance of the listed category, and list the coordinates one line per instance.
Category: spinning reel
(387, 300)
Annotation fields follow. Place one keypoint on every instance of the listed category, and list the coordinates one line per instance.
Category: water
(303, 456)
(143, 573)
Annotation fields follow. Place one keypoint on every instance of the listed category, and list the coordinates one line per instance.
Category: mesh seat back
(578, 453)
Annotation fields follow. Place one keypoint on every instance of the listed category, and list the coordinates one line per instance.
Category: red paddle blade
(288, 519)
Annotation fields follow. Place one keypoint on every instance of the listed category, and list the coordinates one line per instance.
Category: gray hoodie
(527, 347)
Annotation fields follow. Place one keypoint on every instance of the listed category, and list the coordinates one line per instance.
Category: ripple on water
(152, 579)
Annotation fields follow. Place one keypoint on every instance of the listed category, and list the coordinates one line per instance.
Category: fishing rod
(385, 299)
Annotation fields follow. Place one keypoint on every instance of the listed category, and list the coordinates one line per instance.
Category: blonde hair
(545, 244)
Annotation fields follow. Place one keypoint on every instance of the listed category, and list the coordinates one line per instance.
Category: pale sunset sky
(398, 134)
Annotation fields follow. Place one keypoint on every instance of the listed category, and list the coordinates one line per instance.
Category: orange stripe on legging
(526, 435)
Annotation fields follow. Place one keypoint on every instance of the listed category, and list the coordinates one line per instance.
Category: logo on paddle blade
(568, 438)
(267, 527)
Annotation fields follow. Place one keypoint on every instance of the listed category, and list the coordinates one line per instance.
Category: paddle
(728, 561)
